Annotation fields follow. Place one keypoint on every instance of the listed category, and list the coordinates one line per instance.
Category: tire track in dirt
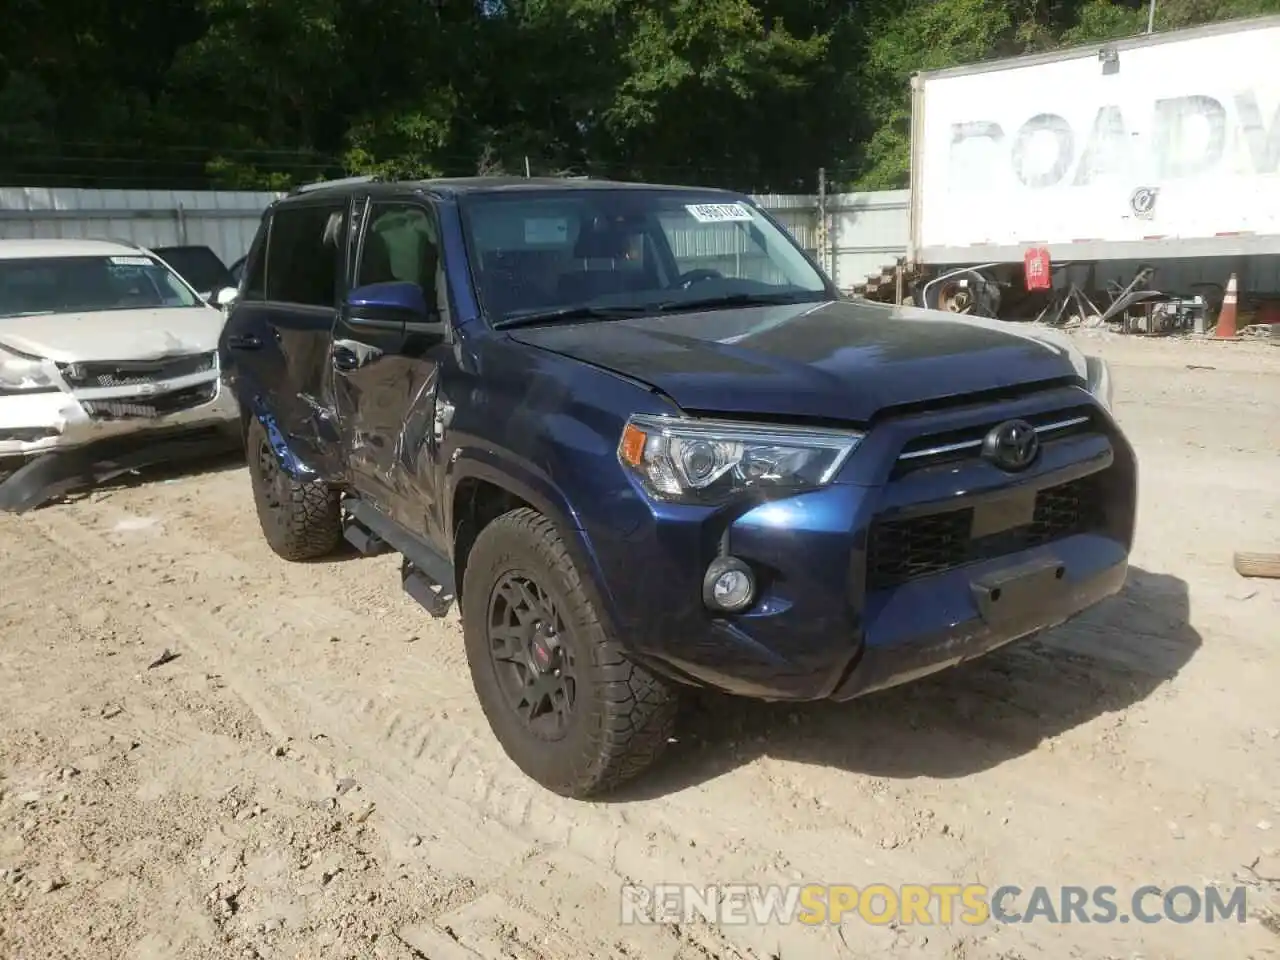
(367, 586)
(702, 835)
(124, 768)
(446, 786)
(448, 748)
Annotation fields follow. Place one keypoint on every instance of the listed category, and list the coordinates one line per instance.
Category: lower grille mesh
(159, 406)
(899, 551)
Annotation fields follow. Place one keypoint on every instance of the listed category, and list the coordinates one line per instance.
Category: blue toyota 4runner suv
(645, 444)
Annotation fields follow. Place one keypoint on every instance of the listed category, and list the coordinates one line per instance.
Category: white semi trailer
(1160, 147)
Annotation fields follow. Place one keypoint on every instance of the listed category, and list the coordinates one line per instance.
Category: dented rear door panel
(277, 344)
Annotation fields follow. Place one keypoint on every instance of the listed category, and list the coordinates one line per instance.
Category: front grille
(957, 445)
(1063, 510)
(161, 405)
(130, 373)
(899, 551)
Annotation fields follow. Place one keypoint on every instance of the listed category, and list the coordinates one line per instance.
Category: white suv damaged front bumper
(92, 401)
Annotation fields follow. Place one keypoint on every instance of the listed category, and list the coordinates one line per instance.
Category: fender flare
(256, 408)
(541, 493)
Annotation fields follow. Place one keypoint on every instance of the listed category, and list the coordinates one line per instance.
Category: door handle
(349, 355)
(246, 342)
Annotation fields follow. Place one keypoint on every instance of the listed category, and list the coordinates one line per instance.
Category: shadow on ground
(961, 721)
(214, 461)
(217, 459)
(70, 475)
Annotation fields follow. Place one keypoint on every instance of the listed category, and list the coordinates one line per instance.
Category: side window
(304, 253)
(254, 285)
(402, 244)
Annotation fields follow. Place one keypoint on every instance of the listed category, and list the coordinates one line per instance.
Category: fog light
(728, 585)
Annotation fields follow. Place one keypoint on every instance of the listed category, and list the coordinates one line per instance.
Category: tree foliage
(754, 94)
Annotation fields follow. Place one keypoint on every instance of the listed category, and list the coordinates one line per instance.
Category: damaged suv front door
(388, 341)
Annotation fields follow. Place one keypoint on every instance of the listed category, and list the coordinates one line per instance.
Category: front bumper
(890, 573)
(35, 424)
(938, 646)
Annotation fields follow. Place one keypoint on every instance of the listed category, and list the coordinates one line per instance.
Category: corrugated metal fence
(868, 230)
(224, 221)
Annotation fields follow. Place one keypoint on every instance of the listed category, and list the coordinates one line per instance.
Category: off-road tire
(623, 715)
(1258, 565)
(300, 520)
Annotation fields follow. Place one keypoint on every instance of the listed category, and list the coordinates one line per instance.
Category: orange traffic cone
(1227, 316)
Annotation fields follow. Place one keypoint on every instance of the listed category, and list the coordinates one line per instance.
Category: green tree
(755, 94)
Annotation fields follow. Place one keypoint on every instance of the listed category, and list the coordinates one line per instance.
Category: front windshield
(636, 249)
(52, 285)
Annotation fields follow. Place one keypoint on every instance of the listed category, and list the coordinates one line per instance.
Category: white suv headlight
(23, 375)
(1099, 378)
(706, 461)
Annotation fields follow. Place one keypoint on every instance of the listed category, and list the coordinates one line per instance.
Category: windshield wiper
(622, 311)
(739, 300)
(525, 318)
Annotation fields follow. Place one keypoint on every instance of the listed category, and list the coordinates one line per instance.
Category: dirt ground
(311, 776)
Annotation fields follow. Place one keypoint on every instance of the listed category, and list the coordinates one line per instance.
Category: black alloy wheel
(534, 665)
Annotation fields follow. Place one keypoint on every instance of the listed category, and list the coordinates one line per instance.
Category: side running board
(425, 573)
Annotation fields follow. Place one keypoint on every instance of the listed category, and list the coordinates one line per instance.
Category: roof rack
(327, 184)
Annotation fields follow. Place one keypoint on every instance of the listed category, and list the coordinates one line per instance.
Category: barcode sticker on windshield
(719, 212)
(131, 261)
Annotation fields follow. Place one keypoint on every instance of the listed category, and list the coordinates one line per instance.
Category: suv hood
(114, 334)
(842, 360)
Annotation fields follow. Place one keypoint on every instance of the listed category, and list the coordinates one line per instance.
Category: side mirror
(384, 305)
(225, 297)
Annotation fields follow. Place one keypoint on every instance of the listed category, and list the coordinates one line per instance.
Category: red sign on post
(1038, 269)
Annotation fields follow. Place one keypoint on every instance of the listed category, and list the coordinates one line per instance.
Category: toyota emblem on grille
(1012, 445)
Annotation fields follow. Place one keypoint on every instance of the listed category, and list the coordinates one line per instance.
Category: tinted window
(88, 284)
(303, 256)
(253, 282)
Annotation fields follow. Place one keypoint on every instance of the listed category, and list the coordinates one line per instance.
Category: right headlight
(23, 375)
(688, 460)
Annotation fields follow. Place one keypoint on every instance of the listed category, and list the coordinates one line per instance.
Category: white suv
(101, 339)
